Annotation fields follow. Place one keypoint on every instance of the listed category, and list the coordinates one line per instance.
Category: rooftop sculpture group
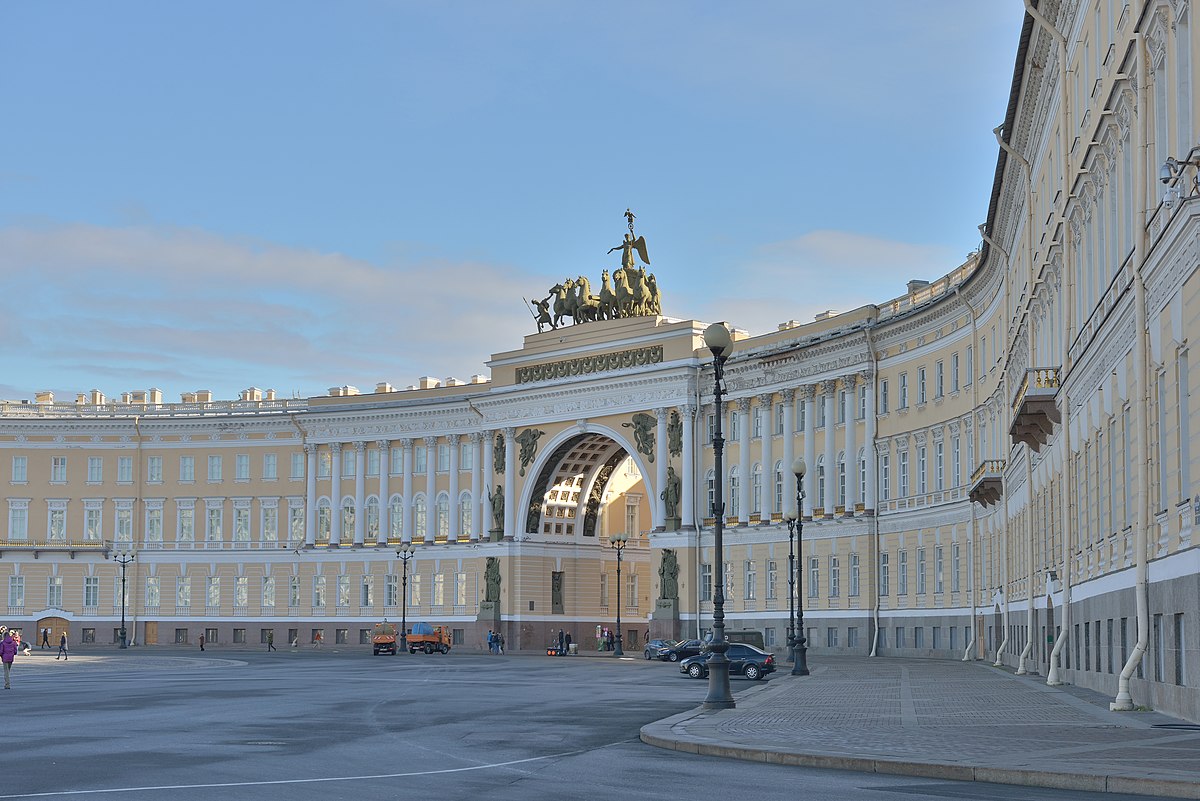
(629, 292)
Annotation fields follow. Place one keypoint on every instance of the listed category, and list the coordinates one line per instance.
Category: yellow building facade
(1000, 462)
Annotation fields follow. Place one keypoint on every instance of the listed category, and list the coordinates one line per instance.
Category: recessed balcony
(1035, 410)
(987, 483)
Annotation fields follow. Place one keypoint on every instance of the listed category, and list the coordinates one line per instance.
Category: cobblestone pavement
(42, 663)
(947, 719)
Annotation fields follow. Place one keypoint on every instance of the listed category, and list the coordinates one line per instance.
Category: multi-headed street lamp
(618, 541)
(123, 558)
(404, 553)
(796, 521)
(719, 342)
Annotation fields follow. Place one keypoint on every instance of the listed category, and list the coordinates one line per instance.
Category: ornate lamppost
(800, 642)
(791, 518)
(123, 558)
(404, 553)
(720, 343)
(618, 541)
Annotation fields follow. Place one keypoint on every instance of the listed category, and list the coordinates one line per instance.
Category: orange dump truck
(383, 638)
(429, 639)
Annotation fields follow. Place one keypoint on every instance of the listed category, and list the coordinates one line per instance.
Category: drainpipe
(1052, 674)
(1124, 700)
(873, 354)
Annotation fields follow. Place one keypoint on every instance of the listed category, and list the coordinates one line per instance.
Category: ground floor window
(239, 636)
(458, 636)
(364, 636)
(293, 636)
(263, 634)
(210, 635)
(341, 636)
(181, 637)
(89, 635)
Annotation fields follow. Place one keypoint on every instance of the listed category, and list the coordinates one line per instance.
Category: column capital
(766, 399)
(743, 404)
(383, 444)
(807, 391)
(687, 410)
(661, 412)
(509, 433)
(360, 446)
(849, 381)
(475, 437)
(336, 447)
(310, 448)
(829, 388)
(406, 443)
(453, 438)
(867, 375)
(787, 395)
(429, 441)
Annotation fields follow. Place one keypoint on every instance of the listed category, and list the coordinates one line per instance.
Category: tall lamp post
(123, 558)
(404, 553)
(618, 542)
(800, 642)
(720, 696)
(791, 517)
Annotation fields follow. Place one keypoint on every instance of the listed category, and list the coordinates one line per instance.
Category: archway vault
(566, 498)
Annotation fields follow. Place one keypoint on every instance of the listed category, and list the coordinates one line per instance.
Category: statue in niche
(497, 500)
(668, 574)
(491, 579)
(498, 454)
(670, 494)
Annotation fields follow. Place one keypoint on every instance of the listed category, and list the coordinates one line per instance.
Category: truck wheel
(428, 648)
(445, 649)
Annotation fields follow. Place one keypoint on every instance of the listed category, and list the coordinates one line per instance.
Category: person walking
(201, 642)
(8, 652)
(491, 641)
(62, 647)
(46, 637)
(271, 641)
(568, 643)
(499, 643)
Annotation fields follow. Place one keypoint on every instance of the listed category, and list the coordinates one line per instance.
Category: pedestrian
(491, 641)
(62, 647)
(8, 651)
(271, 641)
(568, 643)
(46, 637)
(499, 642)
(201, 642)
(609, 640)
(562, 642)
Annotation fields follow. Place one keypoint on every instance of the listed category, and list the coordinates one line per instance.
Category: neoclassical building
(999, 461)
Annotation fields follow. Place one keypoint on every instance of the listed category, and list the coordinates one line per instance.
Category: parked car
(744, 660)
(680, 650)
(654, 646)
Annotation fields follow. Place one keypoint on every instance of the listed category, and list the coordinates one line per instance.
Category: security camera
(1167, 171)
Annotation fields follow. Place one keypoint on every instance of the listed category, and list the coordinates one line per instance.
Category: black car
(744, 660)
(680, 650)
(654, 646)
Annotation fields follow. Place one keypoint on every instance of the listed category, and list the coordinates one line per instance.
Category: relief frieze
(588, 365)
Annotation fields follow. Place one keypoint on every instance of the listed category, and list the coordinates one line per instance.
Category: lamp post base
(720, 695)
(124, 639)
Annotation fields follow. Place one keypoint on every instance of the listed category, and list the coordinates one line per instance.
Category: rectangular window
(297, 470)
(841, 406)
(1160, 650)
(20, 469)
(903, 474)
(466, 456)
(18, 522)
(900, 637)
(814, 577)
(460, 589)
(922, 470)
(268, 592)
(939, 584)
(391, 590)
(349, 465)
(756, 416)
(750, 577)
(772, 580)
(318, 597)
(241, 592)
(706, 584)
(883, 396)
(213, 594)
(54, 592)
(831, 637)
(939, 379)
(414, 589)
(604, 590)
(153, 592)
(885, 577)
(397, 461)
(710, 427)
(187, 525)
(779, 418)
(918, 637)
(58, 469)
(954, 372)
(903, 403)
(154, 470)
(187, 469)
(343, 590)
(920, 571)
(956, 462)
(939, 465)
(835, 577)
(154, 528)
(95, 474)
(373, 462)
(921, 396)
(16, 592)
(862, 401)
(1183, 413)
(91, 591)
(124, 469)
(955, 567)
(293, 591)
(885, 477)
(241, 524)
(439, 589)
(213, 524)
(241, 467)
(214, 468)
(420, 454)
(324, 464)
(270, 467)
(854, 574)
(1180, 649)
(270, 524)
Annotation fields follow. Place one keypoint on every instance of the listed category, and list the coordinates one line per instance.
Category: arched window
(396, 518)
(324, 519)
(442, 531)
(464, 514)
(372, 534)
(347, 517)
(735, 505)
(419, 517)
(756, 489)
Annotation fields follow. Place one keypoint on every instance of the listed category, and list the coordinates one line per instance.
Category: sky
(301, 195)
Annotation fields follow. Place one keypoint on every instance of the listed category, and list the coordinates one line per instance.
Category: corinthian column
(849, 382)
(808, 394)
(687, 483)
(788, 398)
(510, 483)
(430, 488)
(743, 407)
(767, 490)
(335, 521)
(385, 466)
(407, 534)
(476, 488)
(455, 509)
(310, 499)
(360, 492)
(659, 503)
(830, 388)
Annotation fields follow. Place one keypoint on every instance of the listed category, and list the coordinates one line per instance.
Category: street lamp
(791, 518)
(618, 541)
(800, 642)
(404, 553)
(720, 343)
(123, 558)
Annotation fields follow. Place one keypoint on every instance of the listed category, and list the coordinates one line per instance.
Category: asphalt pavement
(966, 721)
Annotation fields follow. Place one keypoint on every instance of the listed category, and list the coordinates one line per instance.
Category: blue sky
(299, 195)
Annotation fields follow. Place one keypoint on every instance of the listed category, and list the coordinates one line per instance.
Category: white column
(510, 483)
(360, 492)
(335, 492)
(310, 497)
(407, 527)
(455, 509)
(489, 460)
(385, 466)
(788, 399)
(688, 480)
(850, 384)
(661, 457)
(476, 488)
(869, 501)
(808, 394)
(767, 490)
(743, 407)
(430, 488)
(830, 388)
